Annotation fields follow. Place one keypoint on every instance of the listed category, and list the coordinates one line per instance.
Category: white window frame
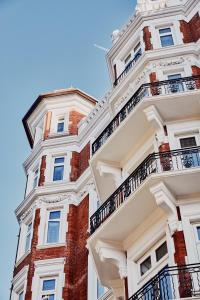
(65, 164)
(173, 33)
(47, 225)
(47, 269)
(45, 293)
(156, 266)
(21, 253)
(29, 232)
(56, 115)
(19, 284)
(132, 53)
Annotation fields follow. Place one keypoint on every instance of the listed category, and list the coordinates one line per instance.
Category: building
(118, 179)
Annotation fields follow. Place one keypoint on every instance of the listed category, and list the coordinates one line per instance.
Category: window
(53, 230)
(190, 157)
(61, 125)
(198, 232)
(175, 86)
(21, 296)
(166, 37)
(35, 178)
(58, 171)
(100, 289)
(48, 289)
(127, 59)
(161, 251)
(137, 51)
(145, 265)
(28, 237)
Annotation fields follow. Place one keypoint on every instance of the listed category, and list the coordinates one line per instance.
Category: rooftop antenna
(101, 48)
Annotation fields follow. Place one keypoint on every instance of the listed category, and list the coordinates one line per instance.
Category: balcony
(181, 162)
(127, 69)
(172, 283)
(175, 88)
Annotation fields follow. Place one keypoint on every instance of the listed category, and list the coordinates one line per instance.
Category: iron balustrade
(174, 160)
(171, 283)
(167, 87)
(128, 68)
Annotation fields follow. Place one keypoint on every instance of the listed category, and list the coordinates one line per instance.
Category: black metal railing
(174, 160)
(171, 283)
(166, 87)
(128, 68)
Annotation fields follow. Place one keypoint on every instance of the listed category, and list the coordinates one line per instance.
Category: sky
(44, 45)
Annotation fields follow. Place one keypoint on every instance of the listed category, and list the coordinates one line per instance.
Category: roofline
(48, 95)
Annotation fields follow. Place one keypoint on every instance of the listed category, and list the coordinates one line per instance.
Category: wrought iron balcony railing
(127, 69)
(166, 87)
(172, 283)
(174, 160)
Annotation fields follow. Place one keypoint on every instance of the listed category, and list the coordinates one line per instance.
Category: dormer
(57, 114)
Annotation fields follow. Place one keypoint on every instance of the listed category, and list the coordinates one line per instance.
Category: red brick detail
(79, 162)
(147, 38)
(191, 30)
(165, 160)
(185, 283)
(180, 248)
(154, 89)
(42, 171)
(47, 125)
(74, 118)
(77, 255)
(196, 72)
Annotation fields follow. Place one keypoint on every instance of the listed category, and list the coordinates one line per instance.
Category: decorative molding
(57, 198)
(144, 6)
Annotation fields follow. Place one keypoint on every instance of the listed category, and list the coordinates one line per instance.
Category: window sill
(45, 246)
(58, 134)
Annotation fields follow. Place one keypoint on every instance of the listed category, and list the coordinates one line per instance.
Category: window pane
(145, 266)
(21, 296)
(164, 30)
(60, 127)
(53, 232)
(59, 160)
(174, 76)
(100, 289)
(58, 173)
(161, 251)
(198, 232)
(28, 240)
(188, 142)
(54, 215)
(167, 40)
(49, 285)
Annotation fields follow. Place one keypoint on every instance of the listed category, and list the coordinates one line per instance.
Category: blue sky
(44, 45)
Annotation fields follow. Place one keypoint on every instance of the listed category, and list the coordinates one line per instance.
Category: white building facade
(112, 203)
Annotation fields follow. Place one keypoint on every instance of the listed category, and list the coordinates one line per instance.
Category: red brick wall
(42, 171)
(74, 118)
(191, 30)
(77, 263)
(147, 38)
(75, 253)
(79, 162)
(47, 124)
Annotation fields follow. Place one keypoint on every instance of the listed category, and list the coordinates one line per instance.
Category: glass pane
(188, 142)
(53, 232)
(161, 251)
(60, 127)
(58, 173)
(164, 30)
(54, 215)
(21, 296)
(198, 232)
(48, 297)
(28, 240)
(49, 285)
(59, 160)
(174, 76)
(35, 182)
(166, 40)
(145, 266)
(100, 289)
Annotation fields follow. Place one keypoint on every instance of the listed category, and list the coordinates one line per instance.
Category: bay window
(53, 228)
(48, 289)
(58, 171)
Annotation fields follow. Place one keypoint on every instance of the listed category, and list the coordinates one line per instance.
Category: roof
(69, 91)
